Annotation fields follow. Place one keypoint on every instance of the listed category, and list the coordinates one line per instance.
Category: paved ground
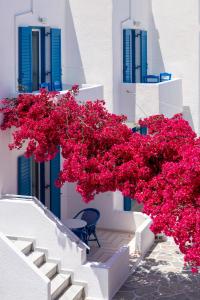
(161, 276)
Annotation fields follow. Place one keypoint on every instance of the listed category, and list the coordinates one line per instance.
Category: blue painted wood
(42, 182)
(128, 55)
(143, 130)
(128, 204)
(165, 76)
(24, 176)
(54, 191)
(56, 72)
(25, 59)
(43, 53)
(143, 55)
(151, 79)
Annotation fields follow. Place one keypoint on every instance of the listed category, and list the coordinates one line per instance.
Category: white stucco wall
(142, 100)
(177, 26)
(173, 45)
(111, 217)
(89, 24)
(173, 33)
(12, 15)
(27, 219)
(30, 283)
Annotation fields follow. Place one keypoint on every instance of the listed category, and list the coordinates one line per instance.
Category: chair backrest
(151, 79)
(165, 76)
(45, 85)
(90, 215)
(57, 86)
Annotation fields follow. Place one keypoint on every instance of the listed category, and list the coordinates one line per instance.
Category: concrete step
(49, 269)
(24, 246)
(58, 284)
(74, 292)
(37, 257)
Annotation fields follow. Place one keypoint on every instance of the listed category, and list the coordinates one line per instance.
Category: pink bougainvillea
(160, 170)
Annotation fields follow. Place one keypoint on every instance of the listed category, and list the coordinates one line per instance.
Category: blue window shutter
(54, 191)
(24, 176)
(128, 55)
(56, 57)
(143, 55)
(43, 53)
(143, 130)
(42, 182)
(25, 59)
(128, 204)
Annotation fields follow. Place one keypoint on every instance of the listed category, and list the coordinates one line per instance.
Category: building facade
(109, 48)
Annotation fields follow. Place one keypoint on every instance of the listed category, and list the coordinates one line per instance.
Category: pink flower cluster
(160, 170)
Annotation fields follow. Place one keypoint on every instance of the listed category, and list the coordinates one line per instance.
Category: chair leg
(94, 233)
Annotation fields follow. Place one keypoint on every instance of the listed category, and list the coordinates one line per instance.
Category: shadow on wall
(74, 66)
(188, 116)
(156, 54)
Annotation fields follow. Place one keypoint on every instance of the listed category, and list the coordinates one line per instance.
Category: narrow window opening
(36, 68)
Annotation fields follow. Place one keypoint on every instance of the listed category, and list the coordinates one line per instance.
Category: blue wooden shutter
(143, 130)
(128, 55)
(128, 204)
(24, 176)
(54, 191)
(143, 55)
(42, 182)
(56, 58)
(25, 59)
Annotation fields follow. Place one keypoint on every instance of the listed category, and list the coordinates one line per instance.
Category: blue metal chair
(45, 85)
(82, 234)
(151, 79)
(91, 216)
(165, 76)
(57, 86)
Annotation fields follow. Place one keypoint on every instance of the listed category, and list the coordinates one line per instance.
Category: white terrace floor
(110, 242)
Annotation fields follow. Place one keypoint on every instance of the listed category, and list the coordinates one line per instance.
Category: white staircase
(62, 287)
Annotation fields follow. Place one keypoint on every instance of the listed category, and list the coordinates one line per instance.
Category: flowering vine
(161, 170)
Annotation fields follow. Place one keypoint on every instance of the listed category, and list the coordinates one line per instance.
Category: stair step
(37, 257)
(74, 292)
(24, 246)
(49, 269)
(58, 284)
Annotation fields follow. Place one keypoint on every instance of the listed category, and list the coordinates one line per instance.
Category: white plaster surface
(20, 279)
(143, 100)
(25, 218)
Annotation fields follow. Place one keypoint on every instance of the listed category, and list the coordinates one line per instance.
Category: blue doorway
(38, 179)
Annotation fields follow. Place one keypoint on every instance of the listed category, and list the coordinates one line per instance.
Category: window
(39, 58)
(36, 68)
(134, 55)
(131, 204)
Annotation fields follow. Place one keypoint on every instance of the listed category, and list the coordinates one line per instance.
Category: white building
(105, 47)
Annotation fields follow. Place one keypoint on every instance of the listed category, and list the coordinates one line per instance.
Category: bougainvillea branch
(160, 170)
